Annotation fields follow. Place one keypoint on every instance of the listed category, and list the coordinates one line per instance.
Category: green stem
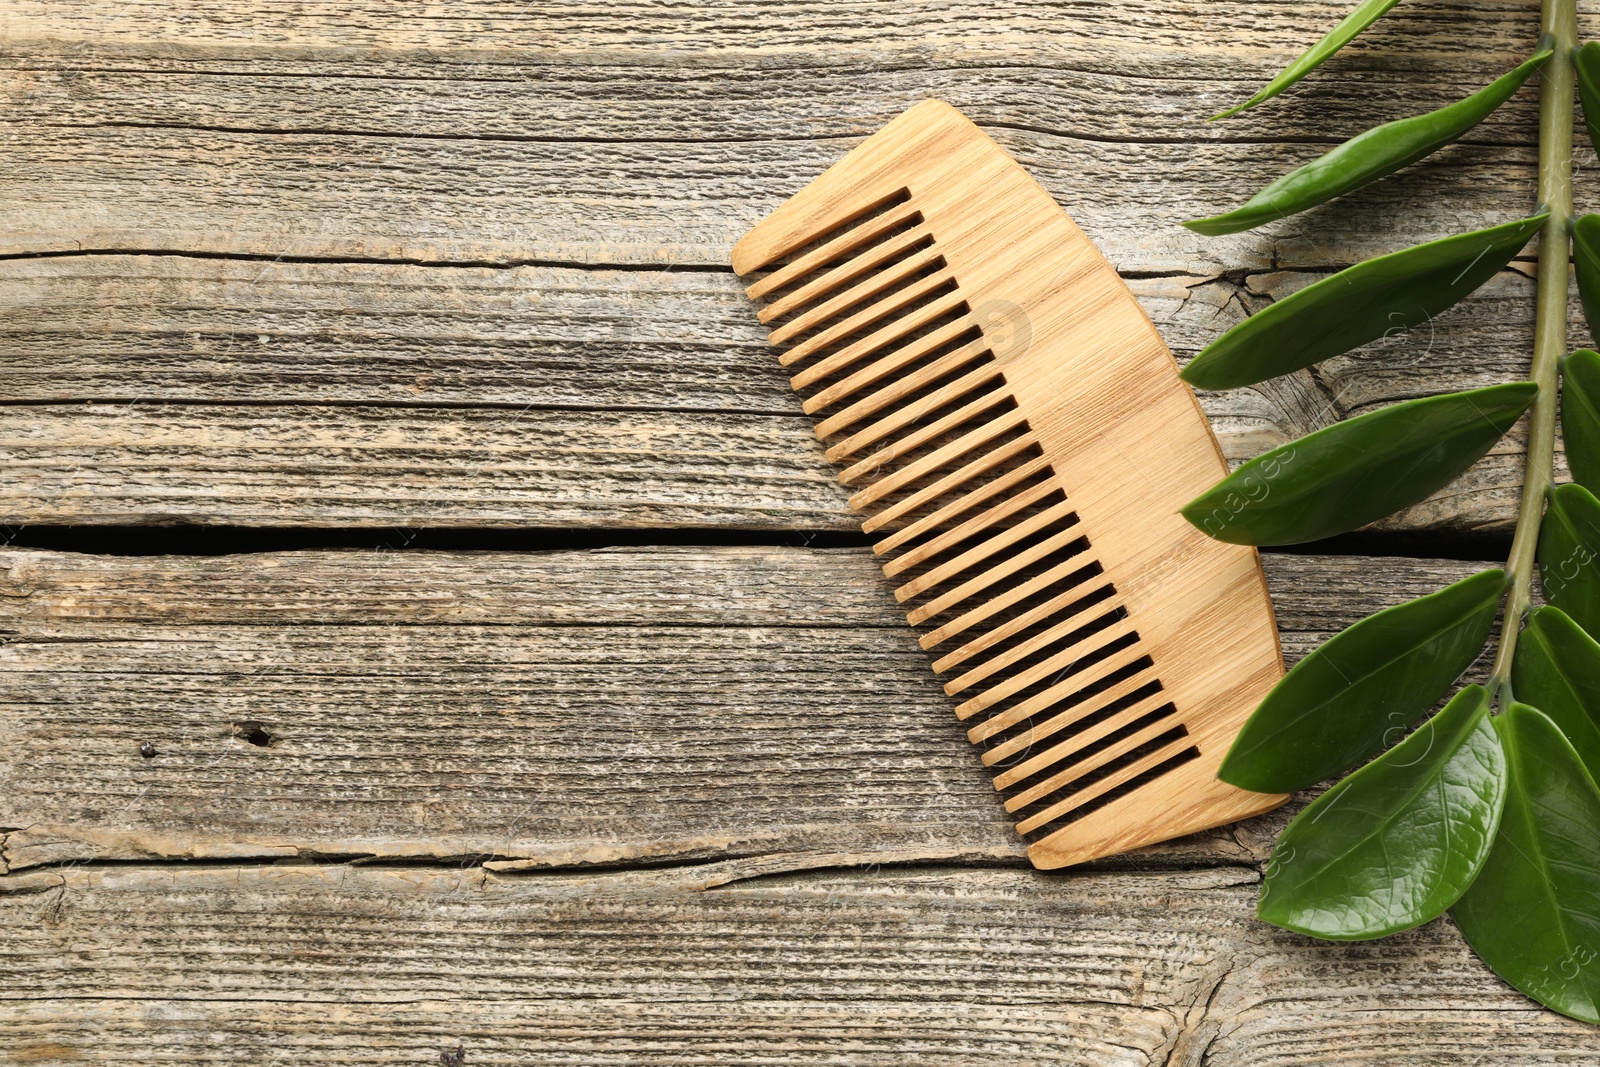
(1559, 19)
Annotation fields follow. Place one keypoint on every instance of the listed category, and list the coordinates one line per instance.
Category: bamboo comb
(1022, 444)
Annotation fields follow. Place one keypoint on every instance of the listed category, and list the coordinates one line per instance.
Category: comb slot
(962, 504)
(951, 482)
(1157, 708)
(1008, 536)
(1069, 568)
(898, 274)
(1169, 753)
(874, 256)
(1080, 669)
(1086, 765)
(906, 354)
(1075, 693)
(932, 431)
(1092, 601)
(935, 546)
(894, 213)
(1106, 700)
(1103, 630)
(1071, 536)
(909, 411)
(904, 306)
(919, 317)
(1060, 631)
(1070, 656)
(1083, 809)
(941, 457)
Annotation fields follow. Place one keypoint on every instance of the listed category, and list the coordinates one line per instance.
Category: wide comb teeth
(1005, 538)
(881, 368)
(886, 217)
(934, 418)
(985, 534)
(901, 417)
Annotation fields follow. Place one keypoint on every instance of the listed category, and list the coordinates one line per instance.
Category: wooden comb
(1023, 443)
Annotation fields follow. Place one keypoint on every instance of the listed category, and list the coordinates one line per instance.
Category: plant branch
(1559, 20)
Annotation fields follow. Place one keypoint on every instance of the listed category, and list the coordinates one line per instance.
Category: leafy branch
(1489, 809)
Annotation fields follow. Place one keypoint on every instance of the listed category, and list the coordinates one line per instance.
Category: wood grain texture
(350, 965)
(388, 265)
(561, 708)
(639, 137)
(558, 137)
(394, 394)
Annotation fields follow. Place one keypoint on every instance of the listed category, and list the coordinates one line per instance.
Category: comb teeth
(1004, 538)
(1007, 506)
(1172, 751)
(893, 360)
(928, 431)
(1068, 541)
(1129, 686)
(948, 512)
(956, 479)
(901, 417)
(905, 309)
(988, 539)
(884, 218)
(952, 421)
(896, 275)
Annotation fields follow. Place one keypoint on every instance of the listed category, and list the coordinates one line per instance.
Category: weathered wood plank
(558, 138)
(244, 393)
(338, 964)
(756, 708)
(414, 467)
(436, 467)
(173, 328)
(551, 137)
(475, 200)
(559, 708)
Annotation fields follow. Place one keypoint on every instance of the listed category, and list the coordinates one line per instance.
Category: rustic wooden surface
(551, 709)
(674, 786)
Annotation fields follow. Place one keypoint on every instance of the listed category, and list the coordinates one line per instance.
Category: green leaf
(1358, 470)
(1557, 670)
(1364, 15)
(1586, 265)
(1586, 62)
(1534, 912)
(1369, 156)
(1373, 299)
(1580, 416)
(1361, 690)
(1569, 544)
(1398, 841)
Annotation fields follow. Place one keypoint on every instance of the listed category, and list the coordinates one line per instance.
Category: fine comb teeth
(1015, 431)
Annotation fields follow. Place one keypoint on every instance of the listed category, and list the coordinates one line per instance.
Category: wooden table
(389, 449)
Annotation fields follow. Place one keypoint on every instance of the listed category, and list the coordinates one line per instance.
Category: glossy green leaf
(1557, 670)
(1364, 688)
(1569, 555)
(1373, 299)
(1358, 470)
(1364, 15)
(1586, 265)
(1580, 416)
(1534, 912)
(1586, 63)
(1398, 841)
(1369, 156)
